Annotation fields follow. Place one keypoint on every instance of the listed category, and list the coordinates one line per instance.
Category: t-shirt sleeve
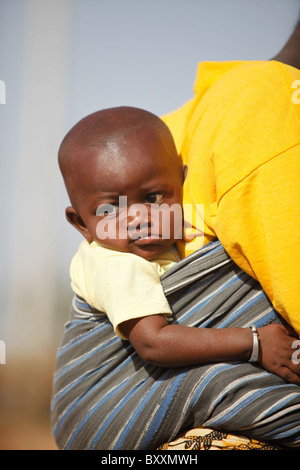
(257, 175)
(243, 151)
(258, 223)
(124, 286)
(130, 288)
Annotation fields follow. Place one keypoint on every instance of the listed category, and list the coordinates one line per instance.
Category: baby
(112, 155)
(124, 178)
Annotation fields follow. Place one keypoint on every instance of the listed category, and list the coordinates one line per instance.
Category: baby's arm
(166, 345)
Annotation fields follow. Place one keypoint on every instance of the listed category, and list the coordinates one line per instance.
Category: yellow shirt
(121, 285)
(240, 137)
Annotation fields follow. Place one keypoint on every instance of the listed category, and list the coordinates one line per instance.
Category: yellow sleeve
(241, 144)
(177, 121)
(258, 223)
(122, 285)
(257, 207)
(207, 74)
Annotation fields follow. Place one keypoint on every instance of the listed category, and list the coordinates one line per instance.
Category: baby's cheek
(109, 233)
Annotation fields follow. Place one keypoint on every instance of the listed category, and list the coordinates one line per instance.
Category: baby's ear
(78, 223)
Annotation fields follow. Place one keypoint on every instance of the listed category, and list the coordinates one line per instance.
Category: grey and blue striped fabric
(105, 397)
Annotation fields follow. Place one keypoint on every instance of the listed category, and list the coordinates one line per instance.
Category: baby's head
(123, 173)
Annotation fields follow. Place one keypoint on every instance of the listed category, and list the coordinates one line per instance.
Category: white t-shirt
(124, 286)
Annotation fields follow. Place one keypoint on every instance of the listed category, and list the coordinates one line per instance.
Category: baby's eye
(154, 198)
(107, 209)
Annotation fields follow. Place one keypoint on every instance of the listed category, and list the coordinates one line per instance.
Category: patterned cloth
(106, 397)
(211, 439)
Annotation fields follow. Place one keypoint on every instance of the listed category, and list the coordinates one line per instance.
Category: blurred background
(59, 61)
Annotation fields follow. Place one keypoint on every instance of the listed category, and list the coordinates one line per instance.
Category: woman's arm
(165, 345)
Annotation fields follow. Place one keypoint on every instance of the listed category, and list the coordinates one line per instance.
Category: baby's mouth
(144, 237)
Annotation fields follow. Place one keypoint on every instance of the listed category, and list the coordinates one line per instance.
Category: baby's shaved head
(108, 124)
(103, 130)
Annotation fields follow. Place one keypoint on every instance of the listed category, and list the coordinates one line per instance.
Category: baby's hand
(276, 351)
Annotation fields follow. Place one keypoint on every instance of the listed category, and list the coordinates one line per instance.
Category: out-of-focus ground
(25, 391)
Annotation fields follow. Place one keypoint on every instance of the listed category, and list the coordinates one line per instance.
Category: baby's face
(131, 196)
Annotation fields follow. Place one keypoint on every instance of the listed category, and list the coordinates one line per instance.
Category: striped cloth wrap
(105, 397)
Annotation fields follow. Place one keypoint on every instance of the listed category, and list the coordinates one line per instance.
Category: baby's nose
(139, 217)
